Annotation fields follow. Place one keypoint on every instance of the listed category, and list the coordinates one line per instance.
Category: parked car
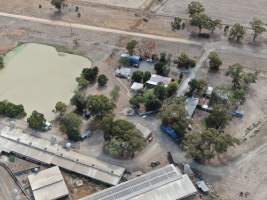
(86, 134)
(47, 126)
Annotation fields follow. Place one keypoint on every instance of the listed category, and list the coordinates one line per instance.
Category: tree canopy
(70, 124)
(60, 108)
(219, 116)
(174, 115)
(90, 74)
(102, 80)
(131, 46)
(36, 120)
(195, 7)
(237, 32)
(214, 61)
(207, 144)
(99, 106)
(79, 100)
(138, 76)
(258, 27)
(57, 4)
(122, 138)
(184, 61)
(11, 110)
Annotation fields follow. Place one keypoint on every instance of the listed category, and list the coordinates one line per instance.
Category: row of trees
(1, 62)
(199, 19)
(89, 76)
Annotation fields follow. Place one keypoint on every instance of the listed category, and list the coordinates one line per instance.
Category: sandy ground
(241, 170)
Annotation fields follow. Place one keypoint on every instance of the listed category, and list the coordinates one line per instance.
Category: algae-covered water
(37, 76)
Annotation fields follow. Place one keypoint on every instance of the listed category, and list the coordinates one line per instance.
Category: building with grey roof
(166, 183)
(157, 79)
(48, 184)
(43, 151)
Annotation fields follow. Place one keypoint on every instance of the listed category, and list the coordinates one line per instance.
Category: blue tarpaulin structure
(169, 131)
(133, 59)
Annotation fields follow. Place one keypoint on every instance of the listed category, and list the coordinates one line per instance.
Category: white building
(157, 79)
(48, 184)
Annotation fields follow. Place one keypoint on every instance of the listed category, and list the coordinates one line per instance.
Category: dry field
(229, 11)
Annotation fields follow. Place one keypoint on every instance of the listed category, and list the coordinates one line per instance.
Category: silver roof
(165, 183)
(48, 184)
(14, 140)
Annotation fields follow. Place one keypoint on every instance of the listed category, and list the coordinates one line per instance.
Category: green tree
(219, 117)
(70, 124)
(1, 62)
(90, 74)
(214, 61)
(174, 115)
(160, 92)
(172, 88)
(184, 61)
(122, 138)
(137, 76)
(207, 144)
(57, 4)
(124, 61)
(213, 24)
(197, 86)
(152, 103)
(99, 106)
(60, 108)
(82, 82)
(102, 80)
(11, 110)
(161, 66)
(237, 32)
(258, 27)
(136, 101)
(201, 21)
(240, 79)
(146, 77)
(79, 100)
(36, 120)
(131, 46)
(195, 7)
(176, 23)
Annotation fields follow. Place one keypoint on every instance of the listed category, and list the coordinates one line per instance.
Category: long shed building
(166, 183)
(43, 151)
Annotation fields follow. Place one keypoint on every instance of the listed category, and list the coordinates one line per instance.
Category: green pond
(37, 76)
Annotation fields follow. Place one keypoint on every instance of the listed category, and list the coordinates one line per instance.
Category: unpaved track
(95, 28)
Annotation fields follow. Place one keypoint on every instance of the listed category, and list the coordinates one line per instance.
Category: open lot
(120, 3)
(241, 11)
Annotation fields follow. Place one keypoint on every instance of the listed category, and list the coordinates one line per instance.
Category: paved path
(95, 28)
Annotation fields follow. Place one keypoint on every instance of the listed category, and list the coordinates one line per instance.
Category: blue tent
(169, 131)
(133, 59)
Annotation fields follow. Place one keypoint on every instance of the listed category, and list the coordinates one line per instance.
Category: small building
(166, 183)
(137, 86)
(134, 60)
(157, 79)
(191, 105)
(48, 184)
(123, 72)
(146, 133)
(208, 91)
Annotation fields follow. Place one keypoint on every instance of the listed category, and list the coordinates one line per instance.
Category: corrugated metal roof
(48, 184)
(42, 150)
(165, 183)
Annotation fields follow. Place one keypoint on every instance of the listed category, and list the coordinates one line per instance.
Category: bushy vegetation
(122, 138)
(207, 144)
(183, 61)
(174, 115)
(36, 120)
(162, 65)
(102, 80)
(214, 61)
(70, 124)
(8, 109)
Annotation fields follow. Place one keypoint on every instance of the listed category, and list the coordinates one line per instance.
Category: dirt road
(99, 29)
